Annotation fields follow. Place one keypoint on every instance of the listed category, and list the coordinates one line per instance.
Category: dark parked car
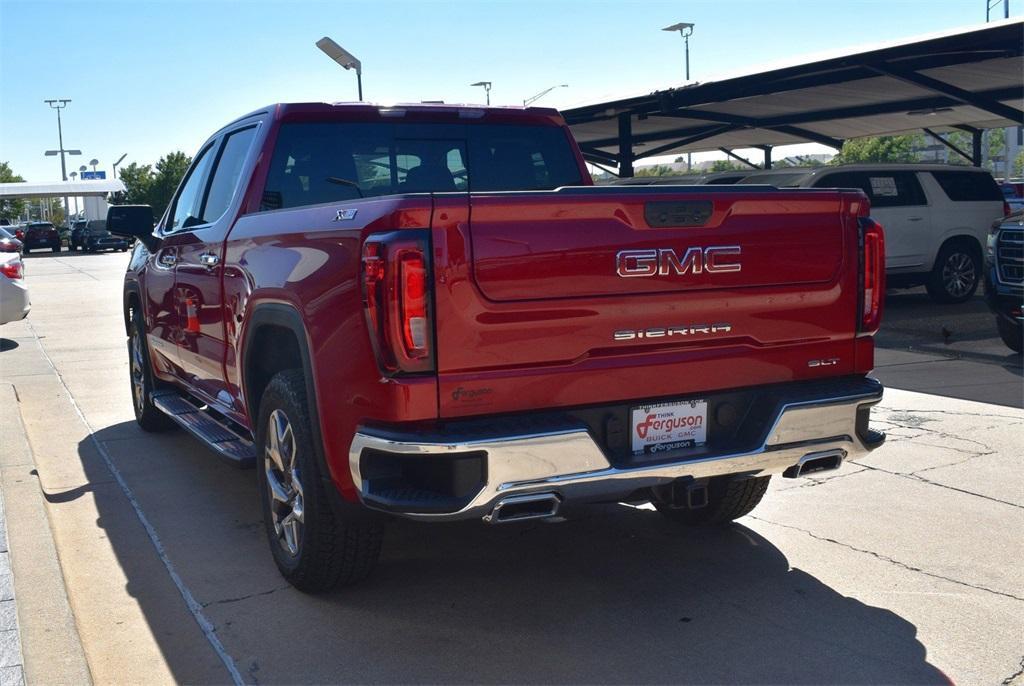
(96, 237)
(8, 243)
(77, 238)
(41, 235)
(1004, 278)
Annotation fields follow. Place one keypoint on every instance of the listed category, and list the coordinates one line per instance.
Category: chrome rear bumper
(568, 462)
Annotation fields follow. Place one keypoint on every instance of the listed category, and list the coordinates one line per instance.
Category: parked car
(1004, 279)
(936, 218)
(319, 303)
(14, 302)
(41, 235)
(18, 230)
(95, 237)
(77, 238)
(8, 243)
(1011, 193)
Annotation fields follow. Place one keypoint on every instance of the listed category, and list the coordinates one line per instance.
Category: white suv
(936, 218)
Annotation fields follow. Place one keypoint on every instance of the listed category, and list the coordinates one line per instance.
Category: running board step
(231, 447)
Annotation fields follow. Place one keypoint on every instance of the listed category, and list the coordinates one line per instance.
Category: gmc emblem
(664, 261)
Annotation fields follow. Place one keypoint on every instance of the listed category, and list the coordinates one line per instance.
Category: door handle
(168, 258)
(209, 260)
(914, 219)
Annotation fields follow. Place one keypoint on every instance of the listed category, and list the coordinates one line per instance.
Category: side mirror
(133, 220)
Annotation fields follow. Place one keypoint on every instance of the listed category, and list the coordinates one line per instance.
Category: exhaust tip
(816, 462)
(518, 508)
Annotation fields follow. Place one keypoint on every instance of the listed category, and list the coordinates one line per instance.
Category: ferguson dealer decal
(669, 426)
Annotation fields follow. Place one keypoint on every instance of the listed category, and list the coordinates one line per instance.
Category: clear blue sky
(147, 78)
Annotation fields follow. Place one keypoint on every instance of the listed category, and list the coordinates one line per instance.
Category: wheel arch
(959, 236)
(132, 299)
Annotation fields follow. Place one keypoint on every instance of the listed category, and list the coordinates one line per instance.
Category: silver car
(14, 302)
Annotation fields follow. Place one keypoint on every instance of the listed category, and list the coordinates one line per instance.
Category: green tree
(726, 165)
(10, 209)
(138, 181)
(656, 170)
(152, 185)
(879, 149)
(1018, 164)
(169, 171)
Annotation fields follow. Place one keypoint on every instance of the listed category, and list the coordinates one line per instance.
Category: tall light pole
(530, 101)
(487, 89)
(59, 104)
(685, 30)
(119, 159)
(74, 177)
(93, 162)
(344, 58)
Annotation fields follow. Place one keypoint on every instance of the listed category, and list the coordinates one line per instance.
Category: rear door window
(968, 186)
(884, 188)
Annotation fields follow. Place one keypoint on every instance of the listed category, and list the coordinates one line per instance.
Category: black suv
(41, 235)
(96, 237)
(1004, 278)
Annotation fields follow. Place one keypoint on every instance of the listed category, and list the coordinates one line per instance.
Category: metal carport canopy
(969, 79)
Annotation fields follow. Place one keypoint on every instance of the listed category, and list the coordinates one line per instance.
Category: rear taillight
(1006, 208)
(13, 269)
(396, 298)
(872, 275)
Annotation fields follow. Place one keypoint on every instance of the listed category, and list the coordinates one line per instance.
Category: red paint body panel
(526, 299)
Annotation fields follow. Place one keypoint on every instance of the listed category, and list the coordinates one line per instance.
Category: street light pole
(59, 104)
(117, 163)
(530, 101)
(685, 30)
(487, 89)
(344, 58)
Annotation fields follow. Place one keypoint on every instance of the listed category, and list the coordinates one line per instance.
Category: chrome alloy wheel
(958, 275)
(138, 371)
(284, 487)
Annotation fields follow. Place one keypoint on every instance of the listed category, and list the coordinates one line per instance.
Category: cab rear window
(327, 162)
(968, 186)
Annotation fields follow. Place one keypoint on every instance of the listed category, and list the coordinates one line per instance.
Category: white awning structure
(60, 189)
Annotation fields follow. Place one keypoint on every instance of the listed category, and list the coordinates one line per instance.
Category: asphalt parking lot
(900, 568)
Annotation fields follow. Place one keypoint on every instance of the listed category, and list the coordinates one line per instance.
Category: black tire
(320, 550)
(1012, 334)
(956, 273)
(56, 248)
(25, 250)
(143, 384)
(728, 499)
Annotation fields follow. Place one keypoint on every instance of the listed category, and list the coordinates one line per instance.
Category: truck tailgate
(593, 295)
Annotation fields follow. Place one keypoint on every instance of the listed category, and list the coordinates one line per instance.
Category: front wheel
(1012, 334)
(727, 499)
(147, 415)
(956, 273)
(313, 545)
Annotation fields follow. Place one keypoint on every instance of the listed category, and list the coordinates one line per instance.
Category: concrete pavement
(901, 568)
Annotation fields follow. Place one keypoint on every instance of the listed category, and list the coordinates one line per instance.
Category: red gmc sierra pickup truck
(430, 312)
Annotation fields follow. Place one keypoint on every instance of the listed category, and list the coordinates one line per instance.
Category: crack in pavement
(1013, 677)
(952, 414)
(890, 560)
(915, 477)
(245, 597)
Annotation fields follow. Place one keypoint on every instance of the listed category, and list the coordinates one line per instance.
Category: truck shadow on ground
(615, 595)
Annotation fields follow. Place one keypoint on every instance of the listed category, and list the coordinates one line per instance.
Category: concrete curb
(49, 637)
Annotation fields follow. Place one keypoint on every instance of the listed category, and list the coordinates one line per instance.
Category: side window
(186, 205)
(884, 188)
(966, 186)
(226, 174)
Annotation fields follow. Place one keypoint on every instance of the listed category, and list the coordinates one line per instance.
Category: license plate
(669, 426)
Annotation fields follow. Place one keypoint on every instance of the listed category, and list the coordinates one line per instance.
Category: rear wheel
(314, 548)
(25, 250)
(143, 383)
(1012, 334)
(727, 499)
(56, 248)
(956, 273)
